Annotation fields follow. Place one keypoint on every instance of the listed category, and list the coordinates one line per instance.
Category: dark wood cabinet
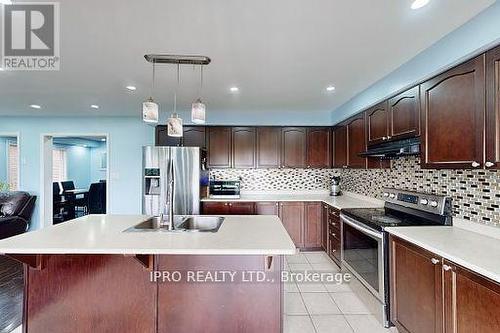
(356, 142)
(294, 147)
(292, 217)
(319, 147)
(243, 147)
(324, 227)
(334, 235)
(313, 225)
(340, 147)
(194, 136)
(416, 288)
(219, 147)
(241, 208)
(452, 112)
(404, 115)
(377, 123)
(471, 302)
(228, 208)
(267, 208)
(268, 147)
(492, 159)
(162, 138)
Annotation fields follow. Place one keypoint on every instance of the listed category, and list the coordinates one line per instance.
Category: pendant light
(150, 109)
(174, 123)
(198, 107)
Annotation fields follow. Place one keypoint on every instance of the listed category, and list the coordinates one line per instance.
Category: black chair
(80, 200)
(97, 198)
(16, 209)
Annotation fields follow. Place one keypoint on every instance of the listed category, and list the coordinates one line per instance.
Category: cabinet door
(219, 147)
(318, 147)
(268, 147)
(340, 147)
(243, 147)
(267, 208)
(356, 142)
(162, 138)
(294, 143)
(416, 288)
(472, 302)
(215, 208)
(313, 225)
(324, 227)
(241, 208)
(404, 111)
(493, 109)
(452, 110)
(292, 217)
(194, 136)
(377, 123)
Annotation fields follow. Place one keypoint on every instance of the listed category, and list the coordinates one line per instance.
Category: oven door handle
(357, 225)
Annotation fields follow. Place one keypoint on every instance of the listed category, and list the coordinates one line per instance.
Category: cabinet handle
(489, 164)
(384, 138)
(475, 164)
(389, 137)
(225, 204)
(434, 261)
(277, 204)
(447, 268)
(230, 204)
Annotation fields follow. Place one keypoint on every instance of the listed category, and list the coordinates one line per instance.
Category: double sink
(182, 223)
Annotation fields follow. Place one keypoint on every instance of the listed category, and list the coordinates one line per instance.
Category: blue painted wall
(480, 33)
(77, 164)
(96, 172)
(126, 138)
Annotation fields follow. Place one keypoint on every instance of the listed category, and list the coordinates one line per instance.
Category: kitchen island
(87, 275)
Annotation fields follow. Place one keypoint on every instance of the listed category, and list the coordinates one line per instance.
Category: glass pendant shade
(198, 112)
(174, 126)
(150, 112)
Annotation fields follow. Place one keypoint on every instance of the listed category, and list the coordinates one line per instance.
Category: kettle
(335, 186)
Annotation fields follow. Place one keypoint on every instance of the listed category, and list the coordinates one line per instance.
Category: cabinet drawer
(334, 240)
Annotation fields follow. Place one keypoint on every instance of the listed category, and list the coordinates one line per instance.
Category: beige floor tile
(300, 267)
(296, 259)
(294, 304)
(349, 303)
(320, 303)
(317, 257)
(290, 287)
(316, 287)
(366, 324)
(331, 324)
(325, 267)
(298, 324)
(338, 287)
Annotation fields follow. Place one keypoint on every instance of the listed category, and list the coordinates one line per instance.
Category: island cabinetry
(432, 294)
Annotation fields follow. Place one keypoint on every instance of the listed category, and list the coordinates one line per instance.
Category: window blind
(12, 165)
(58, 165)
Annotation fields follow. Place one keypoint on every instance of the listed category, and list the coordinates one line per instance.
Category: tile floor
(323, 307)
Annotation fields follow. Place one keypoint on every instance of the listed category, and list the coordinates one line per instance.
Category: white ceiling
(281, 53)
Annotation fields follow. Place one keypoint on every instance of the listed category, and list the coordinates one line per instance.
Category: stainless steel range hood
(395, 149)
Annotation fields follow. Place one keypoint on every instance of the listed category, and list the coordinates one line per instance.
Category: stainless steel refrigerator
(160, 164)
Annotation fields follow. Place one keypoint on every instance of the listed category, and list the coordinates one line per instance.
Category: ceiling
(282, 54)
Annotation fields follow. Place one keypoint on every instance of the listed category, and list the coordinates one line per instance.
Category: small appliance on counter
(335, 186)
(224, 189)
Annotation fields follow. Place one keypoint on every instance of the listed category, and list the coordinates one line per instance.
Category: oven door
(363, 255)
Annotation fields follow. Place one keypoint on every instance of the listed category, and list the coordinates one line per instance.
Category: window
(58, 165)
(12, 165)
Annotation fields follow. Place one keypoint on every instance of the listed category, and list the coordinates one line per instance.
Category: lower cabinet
(333, 234)
(292, 217)
(313, 229)
(432, 294)
(228, 208)
(267, 208)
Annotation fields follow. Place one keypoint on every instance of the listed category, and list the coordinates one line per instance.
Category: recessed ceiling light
(6, 2)
(330, 88)
(94, 106)
(35, 106)
(234, 89)
(131, 88)
(419, 4)
(103, 139)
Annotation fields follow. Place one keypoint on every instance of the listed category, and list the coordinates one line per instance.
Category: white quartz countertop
(103, 234)
(347, 200)
(477, 252)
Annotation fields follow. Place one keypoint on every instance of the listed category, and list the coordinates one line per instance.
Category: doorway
(75, 176)
(9, 162)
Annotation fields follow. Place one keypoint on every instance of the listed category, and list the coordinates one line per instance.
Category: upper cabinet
(162, 138)
(243, 147)
(268, 147)
(452, 111)
(340, 147)
(493, 109)
(294, 147)
(318, 147)
(219, 147)
(404, 115)
(356, 142)
(194, 136)
(377, 123)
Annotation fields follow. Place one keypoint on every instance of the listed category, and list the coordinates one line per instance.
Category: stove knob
(386, 194)
(434, 203)
(392, 196)
(424, 201)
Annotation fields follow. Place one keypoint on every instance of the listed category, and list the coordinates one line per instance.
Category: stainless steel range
(365, 241)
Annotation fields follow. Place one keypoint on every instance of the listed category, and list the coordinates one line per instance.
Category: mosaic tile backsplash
(475, 193)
